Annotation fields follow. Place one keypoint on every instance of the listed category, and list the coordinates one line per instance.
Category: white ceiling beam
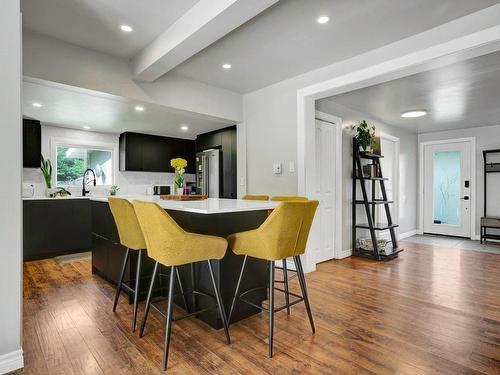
(203, 24)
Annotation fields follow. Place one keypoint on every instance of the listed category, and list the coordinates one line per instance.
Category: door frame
(473, 180)
(395, 206)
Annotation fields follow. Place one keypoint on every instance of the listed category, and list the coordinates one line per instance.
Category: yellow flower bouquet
(179, 166)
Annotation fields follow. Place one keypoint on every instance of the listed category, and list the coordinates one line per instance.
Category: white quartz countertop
(207, 206)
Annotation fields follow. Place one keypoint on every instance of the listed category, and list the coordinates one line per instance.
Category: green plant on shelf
(364, 134)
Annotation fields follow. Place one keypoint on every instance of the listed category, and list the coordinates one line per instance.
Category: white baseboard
(407, 234)
(11, 361)
(345, 253)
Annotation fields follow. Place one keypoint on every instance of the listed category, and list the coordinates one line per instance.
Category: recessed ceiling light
(226, 66)
(126, 28)
(184, 127)
(414, 113)
(139, 108)
(38, 105)
(86, 127)
(323, 19)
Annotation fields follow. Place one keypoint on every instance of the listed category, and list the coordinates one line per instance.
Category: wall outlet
(277, 168)
(291, 167)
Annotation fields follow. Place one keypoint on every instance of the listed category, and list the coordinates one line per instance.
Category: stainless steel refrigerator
(208, 173)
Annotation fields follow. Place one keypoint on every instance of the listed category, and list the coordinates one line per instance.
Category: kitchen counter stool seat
(171, 246)
(283, 235)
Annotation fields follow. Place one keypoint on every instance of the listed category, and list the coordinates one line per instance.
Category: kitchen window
(71, 163)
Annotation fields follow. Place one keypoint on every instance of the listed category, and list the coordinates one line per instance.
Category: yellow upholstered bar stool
(284, 268)
(170, 245)
(289, 198)
(284, 234)
(255, 197)
(131, 237)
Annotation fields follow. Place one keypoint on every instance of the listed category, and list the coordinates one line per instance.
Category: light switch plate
(291, 167)
(277, 168)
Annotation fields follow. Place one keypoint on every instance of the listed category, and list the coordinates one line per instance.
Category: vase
(179, 190)
(51, 192)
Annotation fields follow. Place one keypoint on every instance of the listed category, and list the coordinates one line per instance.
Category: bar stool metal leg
(122, 274)
(237, 288)
(285, 281)
(136, 293)
(168, 322)
(302, 282)
(219, 303)
(148, 300)
(181, 289)
(271, 307)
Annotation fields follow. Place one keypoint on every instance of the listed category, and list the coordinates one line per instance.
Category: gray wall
(487, 137)
(10, 199)
(407, 169)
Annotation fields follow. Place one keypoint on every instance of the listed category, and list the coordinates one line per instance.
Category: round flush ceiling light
(323, 19)
(226, 66)
(139, 108)
(126, 28)
(86, 127)
(414, 113)
(184, 128)
(37, 105)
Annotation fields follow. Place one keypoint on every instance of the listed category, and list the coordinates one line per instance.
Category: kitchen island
(219, 217)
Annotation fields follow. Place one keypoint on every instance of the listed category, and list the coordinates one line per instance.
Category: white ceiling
(461, 95)
(285, 40)
(95, 24)
(72, 107)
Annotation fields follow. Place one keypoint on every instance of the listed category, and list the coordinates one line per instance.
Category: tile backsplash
(130, 183)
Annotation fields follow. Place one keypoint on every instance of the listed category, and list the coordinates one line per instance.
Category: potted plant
(46, 168)
(364, 134)
(62, 192)
(113, 189)
(179, 166)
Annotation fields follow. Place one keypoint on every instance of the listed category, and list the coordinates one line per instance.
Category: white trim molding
(308, 258)
(11, 361)
(473, 180)
(407, 234)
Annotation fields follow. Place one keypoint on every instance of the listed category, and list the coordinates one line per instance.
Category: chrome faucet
(84, 191)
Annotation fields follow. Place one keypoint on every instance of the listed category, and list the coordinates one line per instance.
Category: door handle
(465, 198)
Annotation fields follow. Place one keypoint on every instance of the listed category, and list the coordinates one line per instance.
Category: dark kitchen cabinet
(55, 226)
(32, 143)
(225, 141)
(151, 153)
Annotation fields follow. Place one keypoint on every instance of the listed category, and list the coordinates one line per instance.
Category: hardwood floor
(432, 311)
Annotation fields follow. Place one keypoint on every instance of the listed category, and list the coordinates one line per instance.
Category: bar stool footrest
(298, 300)
(194, 313)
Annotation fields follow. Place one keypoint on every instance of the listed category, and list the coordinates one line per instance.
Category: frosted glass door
(447, 193)
(447, 181)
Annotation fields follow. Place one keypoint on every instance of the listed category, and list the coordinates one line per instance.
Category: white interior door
(447, 189)
(325, 183)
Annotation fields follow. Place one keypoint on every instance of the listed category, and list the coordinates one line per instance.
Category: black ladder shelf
(370, 207)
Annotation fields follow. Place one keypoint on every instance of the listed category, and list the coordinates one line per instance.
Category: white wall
(487, 138)
(407, 166)
(10, 200)
(56, 61)
(129, 182)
